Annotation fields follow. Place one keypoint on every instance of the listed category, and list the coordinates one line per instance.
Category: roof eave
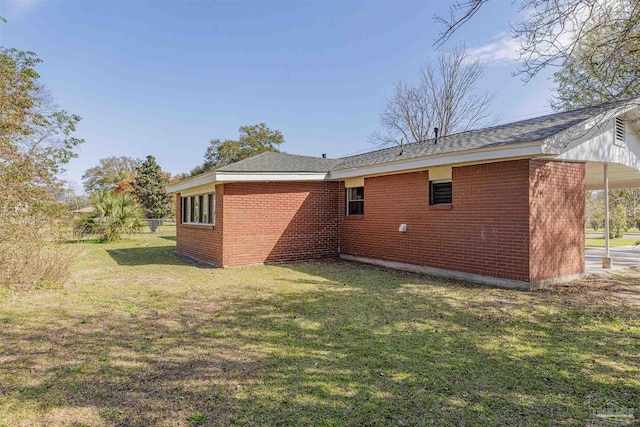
(196, 181)
(527, 149)
(222, 177)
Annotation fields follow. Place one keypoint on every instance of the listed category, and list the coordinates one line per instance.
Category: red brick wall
(279, 221)
(520, 220)
(557, 218)
(486, 230)
(200, 242)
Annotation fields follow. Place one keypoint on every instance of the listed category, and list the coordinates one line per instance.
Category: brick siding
(279, 221)
(520, 220)
(557, 194)
(484, 231)
(201, 242)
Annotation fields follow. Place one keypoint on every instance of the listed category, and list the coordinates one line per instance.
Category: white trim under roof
(270, 176)
(221, 176)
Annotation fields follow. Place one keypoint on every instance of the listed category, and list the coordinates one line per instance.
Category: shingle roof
(280, 162)
(531, 130)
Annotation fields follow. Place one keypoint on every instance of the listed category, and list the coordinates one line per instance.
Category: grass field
(598, 242)
(601, 230)
(140, 338)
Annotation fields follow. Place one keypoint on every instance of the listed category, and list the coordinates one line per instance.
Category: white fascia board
(469, 156)
(269, 176)
(221, 177)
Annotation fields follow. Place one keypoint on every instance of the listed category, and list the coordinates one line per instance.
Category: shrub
(114, 214)
(32, 254)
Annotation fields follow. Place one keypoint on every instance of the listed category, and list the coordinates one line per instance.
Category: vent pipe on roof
(324, 155)
(435, 130)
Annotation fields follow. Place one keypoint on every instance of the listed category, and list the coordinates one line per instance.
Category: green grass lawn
(140, 338)
(599, 242)
(601, 230)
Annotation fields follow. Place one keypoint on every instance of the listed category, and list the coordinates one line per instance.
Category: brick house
(503, 205)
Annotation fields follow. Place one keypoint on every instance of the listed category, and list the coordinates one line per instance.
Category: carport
(609, 144)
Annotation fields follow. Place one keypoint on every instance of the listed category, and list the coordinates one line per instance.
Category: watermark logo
(611, 414)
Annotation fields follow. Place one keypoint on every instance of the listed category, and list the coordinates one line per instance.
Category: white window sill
(200, 224)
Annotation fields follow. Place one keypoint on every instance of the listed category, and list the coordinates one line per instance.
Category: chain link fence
(154, 224)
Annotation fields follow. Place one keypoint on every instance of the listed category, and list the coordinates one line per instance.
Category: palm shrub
(114, 214)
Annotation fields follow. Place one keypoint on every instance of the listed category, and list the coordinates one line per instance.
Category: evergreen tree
(150, 188)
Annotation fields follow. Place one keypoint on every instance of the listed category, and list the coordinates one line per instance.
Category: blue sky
(164, 78)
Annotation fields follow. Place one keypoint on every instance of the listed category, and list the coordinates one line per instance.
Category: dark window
(440, 193)
(212, 207)
(189, 215)
(184, 209)
(355, 201)
(205, 209)
(198, 209)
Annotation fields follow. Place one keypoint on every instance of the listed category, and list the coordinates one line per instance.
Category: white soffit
(620, 176)
(201, 189)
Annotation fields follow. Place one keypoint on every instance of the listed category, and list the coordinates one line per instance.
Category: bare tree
(594, 43)
(445, 97)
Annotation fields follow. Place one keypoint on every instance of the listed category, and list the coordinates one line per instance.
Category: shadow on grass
(340, 344)
(145, 256)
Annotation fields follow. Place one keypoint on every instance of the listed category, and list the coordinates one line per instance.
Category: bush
(32, 254)
(114, 214)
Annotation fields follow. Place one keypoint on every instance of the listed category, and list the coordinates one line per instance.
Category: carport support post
(606, 260)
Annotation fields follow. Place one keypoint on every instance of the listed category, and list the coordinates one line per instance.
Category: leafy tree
(109, 173)
(124, 186)
(603, 66)
(445, 97)
(200, 169)
(36, 140)
(18, 86)
(72, 199)
(178, 177)
(592, 209)
(618, 220)
(114, 214)
(150, 188)
(594, 42)
(254, 139)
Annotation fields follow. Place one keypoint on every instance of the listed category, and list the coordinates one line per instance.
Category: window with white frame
(355, 201)
(198, 209)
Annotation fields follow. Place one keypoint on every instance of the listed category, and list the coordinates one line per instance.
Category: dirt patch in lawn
(620, 286)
